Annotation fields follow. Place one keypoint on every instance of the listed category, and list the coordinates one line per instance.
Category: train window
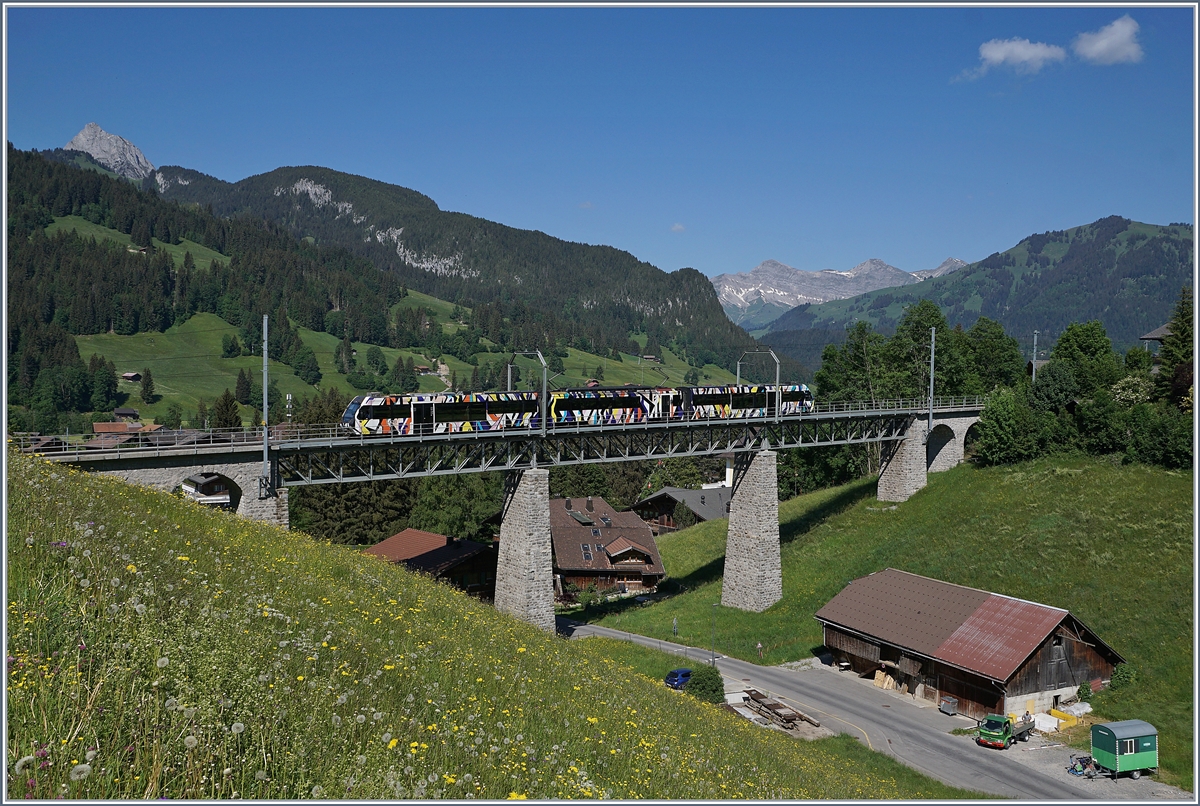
(423, 413)
(592, 403)
(711, 400)
(751, 400)
(512, 406)
(793, 395)
(460, 412)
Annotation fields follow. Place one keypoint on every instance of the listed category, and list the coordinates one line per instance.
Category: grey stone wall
(944, 449)
(524, 572)
(753, 574)
(903, 471)
(907, 463)
(245, 475)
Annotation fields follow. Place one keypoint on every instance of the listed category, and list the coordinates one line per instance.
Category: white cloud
(1112, 44)
(677, 228)
(587, 205)
(1019, 54)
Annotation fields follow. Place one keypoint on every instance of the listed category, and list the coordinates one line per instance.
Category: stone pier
(753, 574)
(908, 463)
(524, 572)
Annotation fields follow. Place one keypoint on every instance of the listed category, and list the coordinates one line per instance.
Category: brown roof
(111, 441)
(445, 557)
(986, 633)
(406, 545)
(110, 428)
(568, 535)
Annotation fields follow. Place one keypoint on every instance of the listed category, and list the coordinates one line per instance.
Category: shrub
(1085, 692)
(707, 684)
(1123, 676)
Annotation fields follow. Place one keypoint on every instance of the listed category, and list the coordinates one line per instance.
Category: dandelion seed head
(317, 791)
(80, 771)
(25, 760)
(361, 759)
(91, 754)
(190, 742)
(162, 662)
(387, 737)
(237, 727)
(140, 609)
(360, 719)
(171, 703)
(341, 700)
(378, 715)
(29, 541)
(337, 721)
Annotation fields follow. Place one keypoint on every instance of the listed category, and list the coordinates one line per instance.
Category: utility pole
(1034, 365)
(932, 345)
(713, 662)
(264, 482)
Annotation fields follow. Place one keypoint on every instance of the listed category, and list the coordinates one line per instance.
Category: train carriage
(451, 412)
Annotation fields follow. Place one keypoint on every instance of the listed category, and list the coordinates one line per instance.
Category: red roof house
(991, 653)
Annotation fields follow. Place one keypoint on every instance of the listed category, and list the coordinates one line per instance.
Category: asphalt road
(914, 732)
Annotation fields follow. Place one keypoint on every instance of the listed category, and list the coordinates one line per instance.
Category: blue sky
(711, 138)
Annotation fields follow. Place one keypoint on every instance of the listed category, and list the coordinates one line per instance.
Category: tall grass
(1113, 544)
(157, 649)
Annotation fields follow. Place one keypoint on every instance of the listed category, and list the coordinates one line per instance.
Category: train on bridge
(452, 412)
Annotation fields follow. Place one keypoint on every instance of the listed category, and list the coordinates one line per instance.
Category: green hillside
(160, 650)
(601, 292)
(86, 229)
(1125, 273)
(1113, 544)
(186, 364)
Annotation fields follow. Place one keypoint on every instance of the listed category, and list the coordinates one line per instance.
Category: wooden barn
(993, 654)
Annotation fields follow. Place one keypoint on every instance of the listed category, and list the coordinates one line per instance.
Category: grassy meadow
(1111, 543)
(86, 229)
(157, 649)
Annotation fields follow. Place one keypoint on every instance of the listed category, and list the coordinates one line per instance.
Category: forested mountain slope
(602, 293)
(1124, 273)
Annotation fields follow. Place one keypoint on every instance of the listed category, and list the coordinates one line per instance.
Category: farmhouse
(660, 509)
(210, 489)
(594, 545)
(467, 565)
(992, 653)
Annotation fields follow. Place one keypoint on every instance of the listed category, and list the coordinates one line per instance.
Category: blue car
(678, 678)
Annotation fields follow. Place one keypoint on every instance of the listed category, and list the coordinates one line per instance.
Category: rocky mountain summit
(112, 151)
(771, 288)
(948, 265)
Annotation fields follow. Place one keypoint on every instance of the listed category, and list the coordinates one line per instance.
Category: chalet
(421, 369)
(658, 510)
(210, 489)
(594, 545)
(125, 414)
(44, 444)
(467, 565)
(132, 377)
(985, 652)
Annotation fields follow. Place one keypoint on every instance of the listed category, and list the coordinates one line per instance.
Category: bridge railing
(175, 441)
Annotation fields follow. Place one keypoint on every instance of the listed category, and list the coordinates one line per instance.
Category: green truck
(1002, 731)
(1129, 747)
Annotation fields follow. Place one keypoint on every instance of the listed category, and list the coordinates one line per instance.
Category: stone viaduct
(524, 578)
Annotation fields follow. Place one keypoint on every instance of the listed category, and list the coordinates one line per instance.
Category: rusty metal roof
(983, 632)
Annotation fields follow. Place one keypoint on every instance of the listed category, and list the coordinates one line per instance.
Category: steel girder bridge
(377, 458)
(303, 455)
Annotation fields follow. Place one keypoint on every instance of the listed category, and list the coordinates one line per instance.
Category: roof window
(595, 533)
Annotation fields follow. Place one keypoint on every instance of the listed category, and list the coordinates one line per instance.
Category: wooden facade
(1067, 658)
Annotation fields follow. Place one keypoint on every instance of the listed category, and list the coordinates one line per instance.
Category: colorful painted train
(450, 412)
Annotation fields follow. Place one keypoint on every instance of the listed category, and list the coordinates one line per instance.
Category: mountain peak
(112, 151)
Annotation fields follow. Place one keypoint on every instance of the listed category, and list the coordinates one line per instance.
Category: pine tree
(241, 391)
(201, 418)
(147, 393)
(1175, 355)
(225, 413)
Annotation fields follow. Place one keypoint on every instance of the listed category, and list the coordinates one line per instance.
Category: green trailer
(1125, 747)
